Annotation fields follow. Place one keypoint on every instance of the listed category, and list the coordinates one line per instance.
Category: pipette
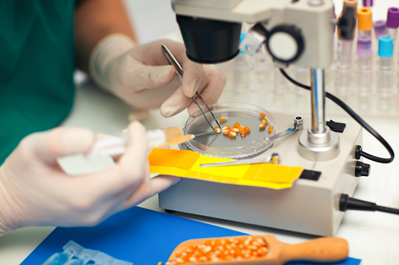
(116, 145)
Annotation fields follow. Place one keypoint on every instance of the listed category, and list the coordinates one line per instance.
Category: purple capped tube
(380, 28)
(368, 3)
(364, 53)
(393, 22)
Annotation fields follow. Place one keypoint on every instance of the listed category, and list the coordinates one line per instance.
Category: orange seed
(222, 118)
(271, 128)
(262, 115)
(247, 128)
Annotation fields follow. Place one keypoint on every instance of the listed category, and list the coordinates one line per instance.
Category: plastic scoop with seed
(261, 249)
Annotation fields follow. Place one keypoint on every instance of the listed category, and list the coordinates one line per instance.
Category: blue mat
(136, 235)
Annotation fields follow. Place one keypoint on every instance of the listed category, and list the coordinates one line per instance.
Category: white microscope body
(295, 32)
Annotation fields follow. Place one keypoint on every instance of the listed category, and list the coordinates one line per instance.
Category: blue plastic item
(242, 36)
(75, 254)
(137, 235)
(385, 46)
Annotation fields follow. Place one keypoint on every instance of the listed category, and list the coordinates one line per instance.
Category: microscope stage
(310, 206)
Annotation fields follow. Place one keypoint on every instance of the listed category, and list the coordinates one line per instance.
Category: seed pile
(237, 128)
(242, 248)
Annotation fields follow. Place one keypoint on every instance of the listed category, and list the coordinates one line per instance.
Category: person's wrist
(106, 51)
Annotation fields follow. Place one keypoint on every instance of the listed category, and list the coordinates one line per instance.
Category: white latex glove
(141, 75)
(35, 191)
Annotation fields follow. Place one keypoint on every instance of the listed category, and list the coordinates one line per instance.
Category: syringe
(116, 145)
(385, 72)
(364, 64)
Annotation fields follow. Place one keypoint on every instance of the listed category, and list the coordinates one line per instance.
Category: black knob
(362, 169)
(285, 43)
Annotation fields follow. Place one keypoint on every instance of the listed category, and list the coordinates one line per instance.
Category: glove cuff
(5, 210)
(105, 51)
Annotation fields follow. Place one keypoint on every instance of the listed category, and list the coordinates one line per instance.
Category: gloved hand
(142, 76)
(35, 191)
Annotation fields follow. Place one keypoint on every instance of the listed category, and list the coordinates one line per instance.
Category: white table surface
(372, 237)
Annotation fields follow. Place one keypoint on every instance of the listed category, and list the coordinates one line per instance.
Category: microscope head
(209, 41)
(294, 31)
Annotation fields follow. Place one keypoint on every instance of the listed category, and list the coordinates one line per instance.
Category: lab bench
(372, 236)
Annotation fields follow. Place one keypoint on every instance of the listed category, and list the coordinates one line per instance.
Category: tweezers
(179, 73)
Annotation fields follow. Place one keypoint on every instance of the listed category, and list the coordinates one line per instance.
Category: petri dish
(220, 145)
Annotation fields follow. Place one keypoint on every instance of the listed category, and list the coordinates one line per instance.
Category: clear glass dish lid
(222, 145)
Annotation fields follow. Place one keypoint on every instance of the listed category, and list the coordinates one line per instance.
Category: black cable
(387, 210)
(348, 203)
(357, 118)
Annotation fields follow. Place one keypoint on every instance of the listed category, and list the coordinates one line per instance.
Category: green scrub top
(37, 61)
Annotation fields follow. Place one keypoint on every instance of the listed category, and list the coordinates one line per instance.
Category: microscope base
(310, 206)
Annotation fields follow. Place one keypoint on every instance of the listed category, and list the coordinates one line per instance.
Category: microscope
(294, 32)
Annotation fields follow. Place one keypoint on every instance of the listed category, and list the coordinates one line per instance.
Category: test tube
(393, 22)
(368, 3)
(364, 21)
(302, 75)
(385, 71)
(344, 62)
(364, 64)
(350, 3)
(380, 28)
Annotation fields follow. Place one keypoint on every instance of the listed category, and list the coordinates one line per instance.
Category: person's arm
(138, 74)
(94, 20)
(35, 190)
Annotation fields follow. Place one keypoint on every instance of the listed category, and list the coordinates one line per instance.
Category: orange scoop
(262, 249)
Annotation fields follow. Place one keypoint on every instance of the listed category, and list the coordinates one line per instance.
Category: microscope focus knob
(362, 169)
(285, 43)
